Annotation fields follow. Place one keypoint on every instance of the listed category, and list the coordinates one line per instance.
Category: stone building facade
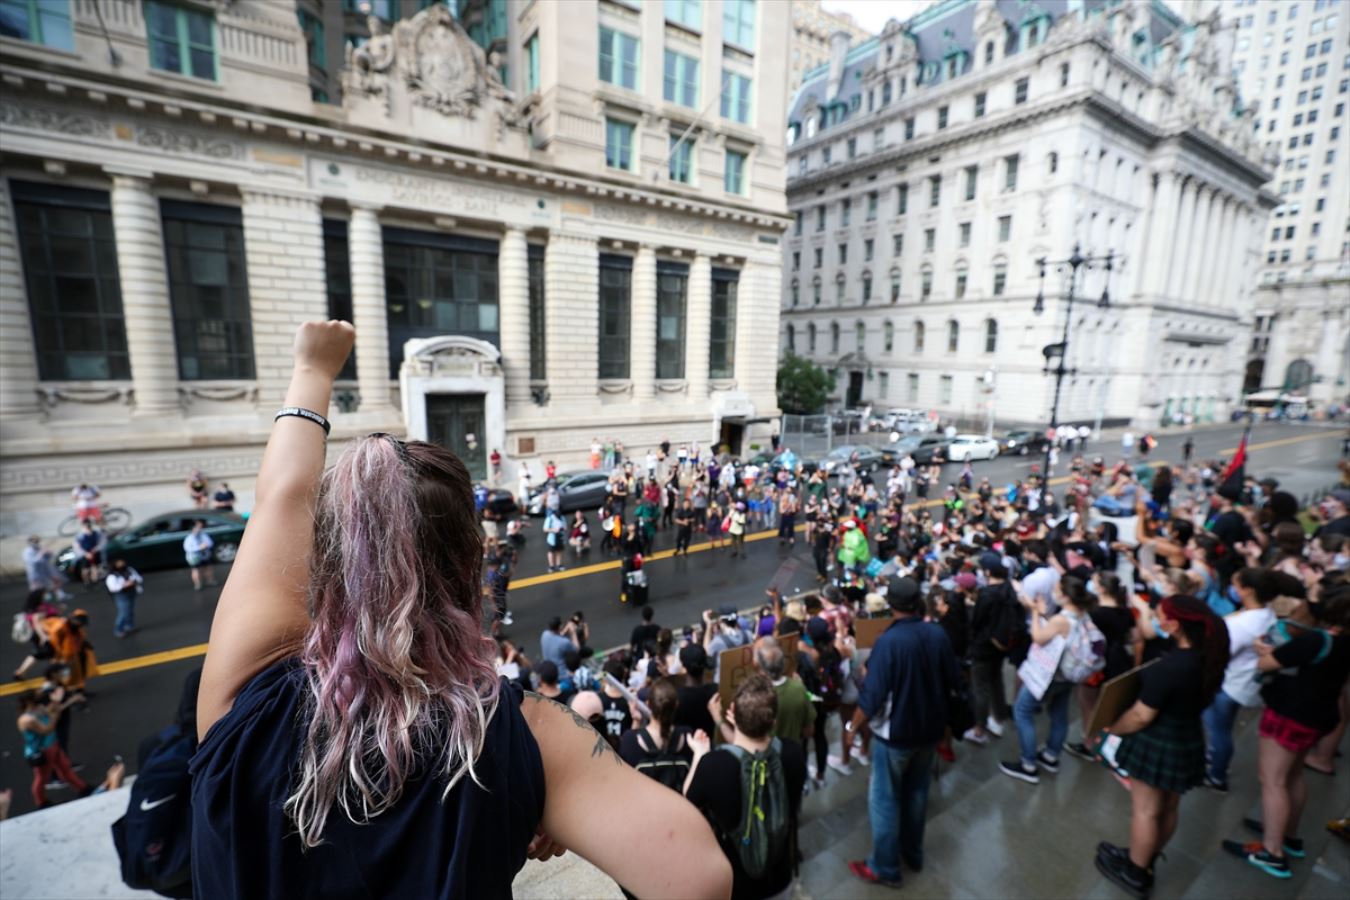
(812, 28)
(528, 266)
(932, 167)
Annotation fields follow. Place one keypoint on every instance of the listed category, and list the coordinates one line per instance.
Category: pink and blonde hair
(400, 673)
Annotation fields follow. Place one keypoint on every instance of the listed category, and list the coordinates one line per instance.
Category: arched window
(953, 335)
(961, 279)
(926, 282)
(811, 338)
(866, 287)
(815, 291)
(834, 338)
(791, 338)
(990, 336)
(860, 336)
(918, 337)
(988, 52)
(895, 285)
(1298, 375)
(888, 335)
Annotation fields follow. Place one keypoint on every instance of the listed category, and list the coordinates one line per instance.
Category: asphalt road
(140, 692)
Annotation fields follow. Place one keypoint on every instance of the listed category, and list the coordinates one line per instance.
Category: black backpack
(669, 764)
(831, 674)
(154, 838)
(1010, 632)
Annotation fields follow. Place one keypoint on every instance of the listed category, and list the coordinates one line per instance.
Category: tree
(803, 386)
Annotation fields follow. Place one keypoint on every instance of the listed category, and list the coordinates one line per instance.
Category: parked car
(158, 543)
(922, 447)
(971, 446)
(1023, 442)
(908, 421)
(576, 490)
(501, 503)
(869, 458)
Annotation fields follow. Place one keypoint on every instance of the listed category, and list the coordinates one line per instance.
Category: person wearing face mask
(1163, 743)
(1252, 591)
(124, 583)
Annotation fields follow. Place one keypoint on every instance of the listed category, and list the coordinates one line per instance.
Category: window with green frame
(338, 282)
(681, 159)
(618, 58)
(181, 40)
(532, 63)
(45, 22)
(735, 97)
(688, 13)
(722, 334)
(312, 26)
(681, 79)
(734, 176)
(616, 278)
(738, 23)
(619, 144)
(672, 282)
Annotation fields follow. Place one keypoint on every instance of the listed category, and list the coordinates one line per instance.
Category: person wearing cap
(853, 552)
(736, 529)
(725, 632)
(910, 676)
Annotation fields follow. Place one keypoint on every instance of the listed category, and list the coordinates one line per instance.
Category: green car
(158, 543)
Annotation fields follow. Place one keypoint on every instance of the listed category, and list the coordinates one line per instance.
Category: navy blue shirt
(471, 844)
(913, 668)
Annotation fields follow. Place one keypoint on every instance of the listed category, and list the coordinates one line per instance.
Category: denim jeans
(1218, 719)
(1112, 507)
(897, 803)
(126, 612)
(1025, 707)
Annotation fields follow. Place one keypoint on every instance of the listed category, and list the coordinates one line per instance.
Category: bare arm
(261, 616)
(1136, 718)
(680, 858)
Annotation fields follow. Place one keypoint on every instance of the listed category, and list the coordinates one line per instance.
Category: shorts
(196, 560)
(1292, 736)
(491, 528)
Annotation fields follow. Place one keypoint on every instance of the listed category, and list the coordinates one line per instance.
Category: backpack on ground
(21, 632)
(1084, 651)
(667, 764)
(763, 836)
(154, 838)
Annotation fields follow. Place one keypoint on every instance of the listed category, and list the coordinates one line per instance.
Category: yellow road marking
(118, 665)
(1326, 435)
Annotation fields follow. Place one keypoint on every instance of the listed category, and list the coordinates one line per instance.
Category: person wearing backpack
(750, 790)
(660, 749)
(1084, 652)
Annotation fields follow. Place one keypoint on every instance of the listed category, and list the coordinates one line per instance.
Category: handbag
(1040, 666)
(960, 709)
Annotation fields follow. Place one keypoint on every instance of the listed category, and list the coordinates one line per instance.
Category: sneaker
(992, 726)
(838, 765)
(562, 568)
(1215, 785)
(1081, 751)
(1124, 874)
(1255, 853)
(1292, 846)
(1015, 770)
(507, 620)
(861, 758)
(975, 737)
(1047, 762)
(863, 871)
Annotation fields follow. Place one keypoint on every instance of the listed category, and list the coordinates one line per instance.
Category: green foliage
(803, 386)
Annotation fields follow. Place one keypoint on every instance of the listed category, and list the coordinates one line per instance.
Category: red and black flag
(1230, 485)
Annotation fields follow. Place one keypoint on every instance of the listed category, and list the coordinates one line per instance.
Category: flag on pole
(1230, 485)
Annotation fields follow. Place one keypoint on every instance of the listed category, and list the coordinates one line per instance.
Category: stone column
(642, 325)
(1178, 248)
(699, 336)
(513, 298)
(365, 245)
(1156, 260)
(18, 359)
(571, 293)
(1237, 250)
(145, 295)
(1197, 250)
(1227, 256)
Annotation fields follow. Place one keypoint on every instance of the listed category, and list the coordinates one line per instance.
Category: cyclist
(87, 508)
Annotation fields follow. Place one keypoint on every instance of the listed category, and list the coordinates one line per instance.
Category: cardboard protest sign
(866, 631)
(1117, 695)
(738, 664)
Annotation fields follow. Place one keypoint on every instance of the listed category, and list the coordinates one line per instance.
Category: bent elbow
(712, 879)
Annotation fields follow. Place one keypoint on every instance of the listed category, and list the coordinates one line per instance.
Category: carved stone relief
(45, 119)
(187, 143)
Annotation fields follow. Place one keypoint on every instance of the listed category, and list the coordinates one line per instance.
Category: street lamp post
(1072, 265)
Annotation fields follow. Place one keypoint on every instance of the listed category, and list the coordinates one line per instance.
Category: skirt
(1168, 755)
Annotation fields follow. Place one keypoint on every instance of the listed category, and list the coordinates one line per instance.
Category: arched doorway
(1251, 381)
(1298, 375)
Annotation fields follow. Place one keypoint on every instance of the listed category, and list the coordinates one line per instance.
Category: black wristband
(303, 413)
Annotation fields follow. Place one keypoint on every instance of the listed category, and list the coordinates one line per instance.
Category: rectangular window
(843, 254)
(616, 278)
(852, 147)
(878, 139)
(1010, 172)
(912, 387)
(681, 79)
(929, 240)
(438, 283)
(1000, 279)
(619, 144)
(1020, 91)
(825, 154)
(909, 129)
(722, 350)
(797, 223)
(538, 315)
(183, 41)
(871, 205)
(867, 250)
(897, 244)
(738, 23)
(901, 199)
(681, 159)
(1004, 229)
(926, 286)
(934, 191)
(819, 256)
(886, 92)
(532, 64)
(734, 177)
(815, 298)
(208, 290)
(845, 212)
(1063, 74)
(73, 286)
(736, 97)
(884, 380)
(796, 260)
(867, 288)
(965, 234)
(688, 13)
(338, 281)
(960, 285)
(618, 58)
(310, 24)
(979, 105)
(839, 292)
(972, 177)
(44, 22)
(672, 282)
(942, 117)
(945, 390)
(895, 286)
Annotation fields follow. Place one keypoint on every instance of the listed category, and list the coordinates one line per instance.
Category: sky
(872, 14)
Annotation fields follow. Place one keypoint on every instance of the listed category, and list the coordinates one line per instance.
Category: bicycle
(112, 519)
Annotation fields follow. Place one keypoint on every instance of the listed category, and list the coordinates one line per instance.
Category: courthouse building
(590, 248)
(931, 167)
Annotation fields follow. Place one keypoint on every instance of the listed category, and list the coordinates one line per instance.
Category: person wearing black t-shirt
(1301, 706)
(1163, 745)
(643, 633)
(693, 695)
